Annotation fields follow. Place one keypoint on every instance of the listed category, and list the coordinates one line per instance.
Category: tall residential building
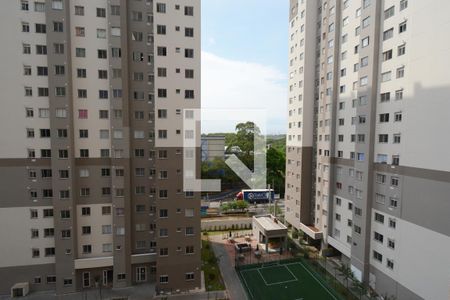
(368, 174)
(93, 94)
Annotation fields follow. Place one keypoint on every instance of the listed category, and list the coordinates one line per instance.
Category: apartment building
(92, 104)
(367, 173)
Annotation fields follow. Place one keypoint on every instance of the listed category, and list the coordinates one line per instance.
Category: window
(402, 27)
(394, 181)
(137, 36)
(115, 10)
(163, 194)
(60, 91)
(102, 53)
(84, 153)
(387, 55)
(384, 118)
(379, 218)
(377, 256)
(87, 249)
(26, 48)
(364, 81)
(161, 29)
(388, 34)
(41, 50)
(400, 72)
(103, 94)
(106, 229)
(366, 22)
(82, 114)
(378, 237)
(391, 243)
(115, 31)
(42, 71)
(80, 52)
(58, 26)
(392, 223)
(401, 50)
(60, 70)
(393, 202)
(189, 32)
(58, 48)
(189, 53)
(106, 210)
(82, 94)
(80, 31)
(79, 10)
(51, 279)
(357, 229)
(189, 94)
(389, 12)
(116, 52)
(386, 76)
(57, 4)
(101, 12)
(162, 51)
(189, 250)
(397, 117)
(383, 138)
(390, 263)
(188, 10)
(163, 232)
(385, 97)
(102, 74)
(48, 213)
(85, 211)
(161, 8)
(365, 42)
(189, 276)
(164, 278)
(24, 5)
(85, 192)
(364, 61)
(40, 28)
(189, 212)
(403, 4)
(86, 230)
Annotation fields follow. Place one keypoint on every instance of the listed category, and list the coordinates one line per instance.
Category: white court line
(260, 274)
(245, 282)
(317, 280)
(291, 272)
(278, 282)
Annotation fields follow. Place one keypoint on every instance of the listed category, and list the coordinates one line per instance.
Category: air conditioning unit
(20, 289)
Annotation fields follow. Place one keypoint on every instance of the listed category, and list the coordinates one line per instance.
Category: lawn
(210, 268)
(290, 280)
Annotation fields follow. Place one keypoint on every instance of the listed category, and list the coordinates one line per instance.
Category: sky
(245, 60)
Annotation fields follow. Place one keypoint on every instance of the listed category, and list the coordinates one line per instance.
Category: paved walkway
(138, 292)
(230, 277)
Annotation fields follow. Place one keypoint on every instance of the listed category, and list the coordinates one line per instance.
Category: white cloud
(238, 84)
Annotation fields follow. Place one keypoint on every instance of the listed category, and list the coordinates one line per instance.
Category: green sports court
(289, 280)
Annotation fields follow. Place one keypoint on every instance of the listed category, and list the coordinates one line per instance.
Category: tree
(346, 272)
(244, 139)
(359, 287)
(276, 163)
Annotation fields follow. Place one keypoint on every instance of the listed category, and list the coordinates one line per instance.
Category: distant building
(213, 147)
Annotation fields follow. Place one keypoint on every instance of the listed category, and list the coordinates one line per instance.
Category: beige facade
(93, 94)
(378, 174)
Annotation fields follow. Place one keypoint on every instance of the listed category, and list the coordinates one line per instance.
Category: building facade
(213, 147)
(367, 174)
(91, 153)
